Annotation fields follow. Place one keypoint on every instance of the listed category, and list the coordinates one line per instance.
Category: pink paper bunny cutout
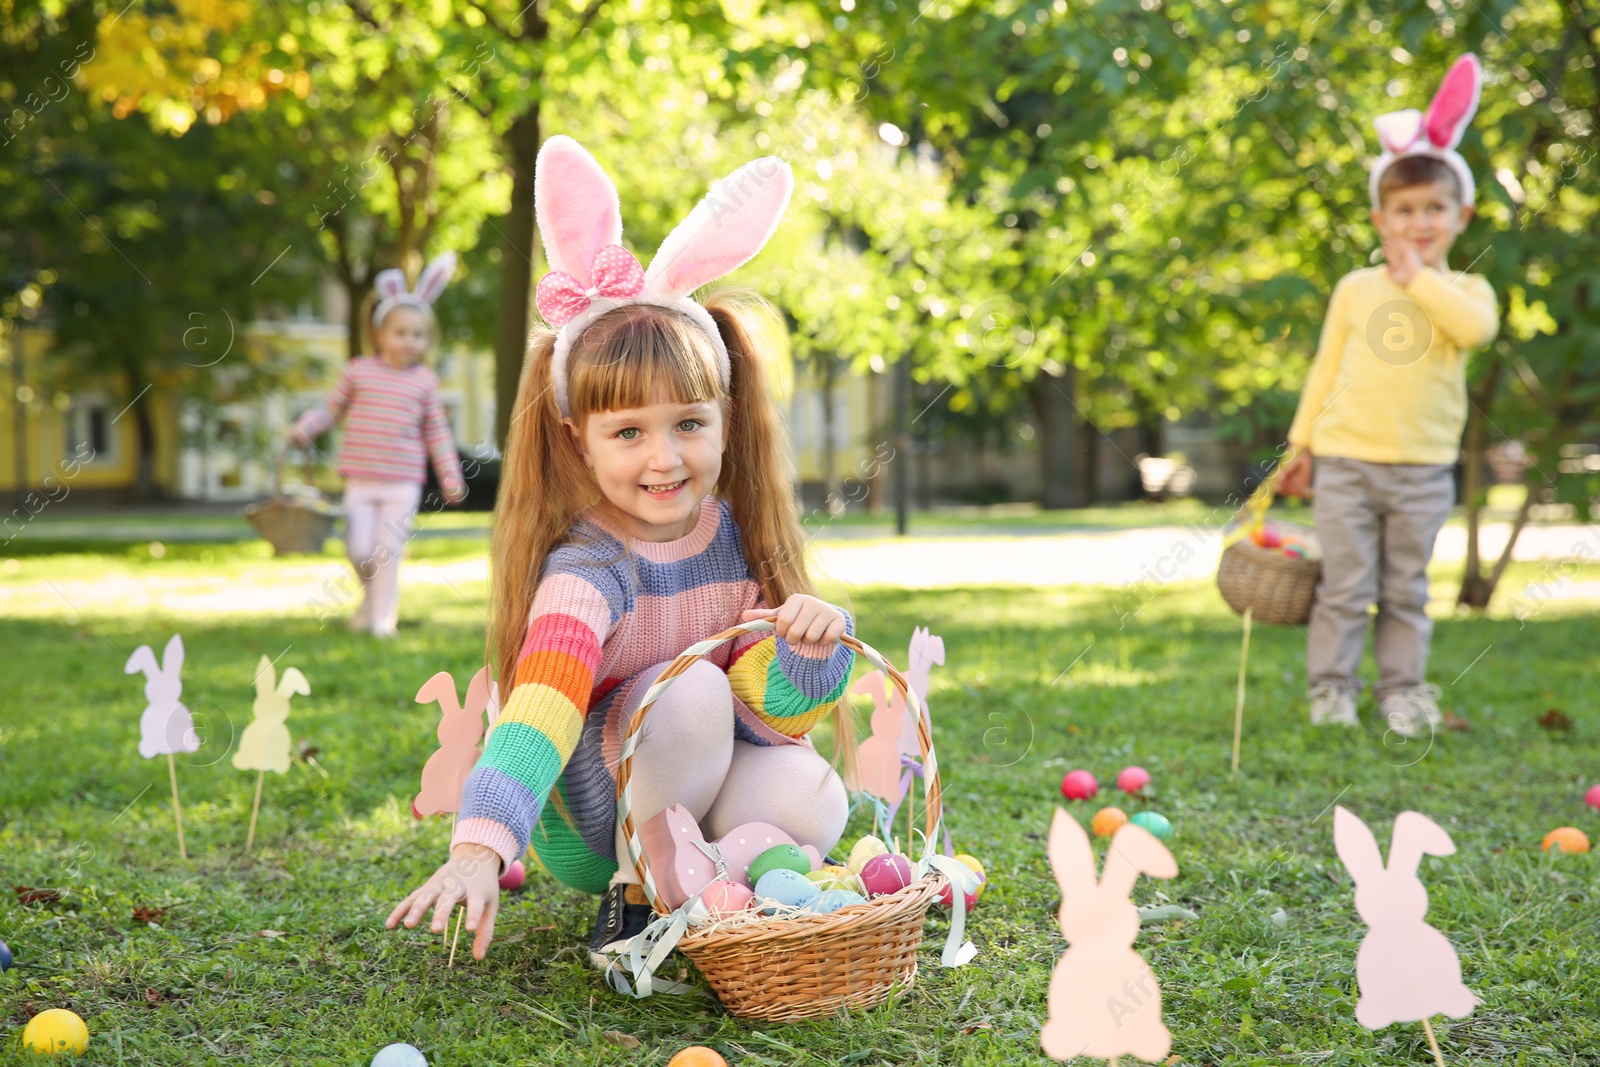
(580, 225)
(1437, 133)
(461, 727)
(925, 651)
(1406, 970)
(682, 863)
(1104, 999)
(878, 769)
(165, 728)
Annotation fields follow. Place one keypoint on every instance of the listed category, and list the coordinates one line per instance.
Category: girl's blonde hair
(629, 358)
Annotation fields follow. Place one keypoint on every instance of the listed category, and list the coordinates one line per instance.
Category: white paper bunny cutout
(264, 745)
(1104, 999)
(1411, 133)
(1406, 970)
(580, 225)
(165, 728)
(391, 286)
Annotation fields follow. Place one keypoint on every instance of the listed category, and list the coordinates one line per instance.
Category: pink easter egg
(1079, 785)
(1133, 779)
(1269, 539)
(724, 897)
(886, 874)
(1592, 797)
(515, 875)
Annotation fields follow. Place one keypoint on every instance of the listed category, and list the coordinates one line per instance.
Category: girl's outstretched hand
(472, 874)
(803, 620)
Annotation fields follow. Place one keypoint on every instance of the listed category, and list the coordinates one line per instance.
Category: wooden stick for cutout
(255, 811)
(1238, 707)
(459, 916)
(1433, 1044)
(177, 808)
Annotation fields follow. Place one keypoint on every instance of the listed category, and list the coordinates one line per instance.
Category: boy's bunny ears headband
(1411, 133)
(580, 222)
(391, 286)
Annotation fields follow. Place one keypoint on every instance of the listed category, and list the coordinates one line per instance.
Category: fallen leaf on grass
(271, 933)
(617, 1037)
(1555, 719)
(308, 751)
(153, 996)
(1456, 722)
(154, 916)
(975, 1027)
(27, 895)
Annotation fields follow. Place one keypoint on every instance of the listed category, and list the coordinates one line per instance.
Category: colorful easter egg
(1155, 822)
(886, 874)
(515, 875)
(1566, 839)
(785, 856)
(726, 897)
(399, 1055)
(832, 900)
(5, 958)
(946, 896)
(55, 1031)
(697, 1056)
(1108, 821)
(1592, 797)
(781, 886)
(863, 851)
(836, 878)
(1133, 779)
(1079, 785)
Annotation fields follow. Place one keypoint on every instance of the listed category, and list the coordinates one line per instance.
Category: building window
(89, 433)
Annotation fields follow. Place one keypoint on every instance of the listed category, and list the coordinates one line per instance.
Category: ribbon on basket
(958, 951)
(1252, 516)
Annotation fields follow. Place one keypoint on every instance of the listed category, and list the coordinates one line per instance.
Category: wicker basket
(1274, 588)
(812, 966)
(290, 523)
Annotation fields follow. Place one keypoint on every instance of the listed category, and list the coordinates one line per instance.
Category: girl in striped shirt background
(393, 424)
(645, 506)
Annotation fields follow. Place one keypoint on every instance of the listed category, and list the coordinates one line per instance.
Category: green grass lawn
(1038, 682)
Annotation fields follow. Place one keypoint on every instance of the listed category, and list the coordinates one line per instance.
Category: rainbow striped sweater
(601, 616)
(391, 416)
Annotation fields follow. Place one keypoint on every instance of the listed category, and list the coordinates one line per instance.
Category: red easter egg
(1079, 785)
(515, 875)
(886, 874)
(1269, 539)
(1133, 779)
(1592, 797)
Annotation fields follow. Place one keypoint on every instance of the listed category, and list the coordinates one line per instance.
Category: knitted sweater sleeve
(322, 417)
(540, 721)
(789, 689)
(441, 443)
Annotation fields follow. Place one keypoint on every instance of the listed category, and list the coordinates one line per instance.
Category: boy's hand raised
(1402, 259)
(1296, 477)
(471, 875)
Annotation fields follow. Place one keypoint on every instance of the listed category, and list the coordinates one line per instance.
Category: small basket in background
(295, 518)
(1274, 586)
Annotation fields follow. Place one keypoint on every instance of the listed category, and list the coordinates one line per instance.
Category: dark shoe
(624, 913)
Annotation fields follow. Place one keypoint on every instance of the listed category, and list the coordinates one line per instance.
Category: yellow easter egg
(56, 1031)
(864, 850)
(1108, 821)
(972, 861)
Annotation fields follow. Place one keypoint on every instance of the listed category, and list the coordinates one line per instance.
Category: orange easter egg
(1567, 839)
(1108, 821)
(698, 1056)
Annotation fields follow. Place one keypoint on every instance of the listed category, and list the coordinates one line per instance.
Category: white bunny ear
(1356, 846)
(143, 659)
(391, 283)
(1414, 834)
(435, 276)
(293, 682)
(725, 230)
(576, 206)
(1455, 103)
(1135, 851)
(172, 657)
(1398, 130)
(1071, 858)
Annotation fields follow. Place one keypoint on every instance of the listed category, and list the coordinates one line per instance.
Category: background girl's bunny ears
(391, 286)
(1437, 133)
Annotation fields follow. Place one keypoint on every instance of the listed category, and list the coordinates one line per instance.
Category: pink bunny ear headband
(1411, 133)
(580, 222)
(391, 286)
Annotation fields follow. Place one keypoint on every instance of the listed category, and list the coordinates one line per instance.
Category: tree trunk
(830, 415)
(1052, 407)
(1089, 436)
(144, 484)
(516, 271)
(1475, 586)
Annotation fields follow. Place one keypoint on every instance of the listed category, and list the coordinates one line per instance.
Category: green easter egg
(1155, 822)
(786, 856)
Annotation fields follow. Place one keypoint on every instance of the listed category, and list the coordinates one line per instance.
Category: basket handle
(933, 794)
(308, 469)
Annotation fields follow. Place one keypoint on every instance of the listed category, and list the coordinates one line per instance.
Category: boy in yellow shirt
(1378, 429)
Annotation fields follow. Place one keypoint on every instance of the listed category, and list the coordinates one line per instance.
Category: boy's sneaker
(624, 914)
(1412, 711)
(1333, 705)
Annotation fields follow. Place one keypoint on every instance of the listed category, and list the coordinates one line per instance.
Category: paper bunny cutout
(391, 286)
(580, 225)
(1406, 970)
(264, 745)
(925, 651)
(1104, 999)
(881, 760)
(165, 728)
(683, 862)
(1411, 133)
(461, 727)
